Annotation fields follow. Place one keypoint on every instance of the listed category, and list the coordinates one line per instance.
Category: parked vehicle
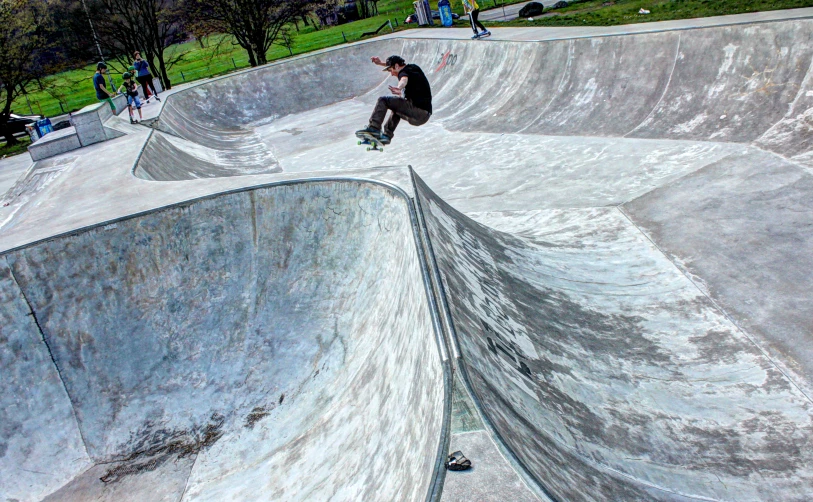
(16, 124)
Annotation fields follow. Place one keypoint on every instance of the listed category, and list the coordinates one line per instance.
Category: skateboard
(370, 141)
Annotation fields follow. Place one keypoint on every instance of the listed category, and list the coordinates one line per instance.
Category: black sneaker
(368, 131)
(159, 99)
(384, 139)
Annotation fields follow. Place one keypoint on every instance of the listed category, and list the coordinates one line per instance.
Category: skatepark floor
(632, 229)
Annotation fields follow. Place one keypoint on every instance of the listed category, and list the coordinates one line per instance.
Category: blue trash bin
(44, 127)
(445, 9)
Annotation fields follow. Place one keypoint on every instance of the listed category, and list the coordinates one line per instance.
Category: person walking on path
(144, 76)
(411, 100)
(471, 8)
(130, 88)
(102, 94)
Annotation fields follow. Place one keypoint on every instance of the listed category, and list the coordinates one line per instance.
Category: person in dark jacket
(102, 94)
(144, 77)
(411, 100)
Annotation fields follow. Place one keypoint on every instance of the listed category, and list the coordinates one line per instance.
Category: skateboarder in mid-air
(411, 100)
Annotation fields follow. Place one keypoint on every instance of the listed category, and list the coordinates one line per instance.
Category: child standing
(131, 90)
(473, 10)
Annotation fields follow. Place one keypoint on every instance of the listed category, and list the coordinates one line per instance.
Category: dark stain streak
(157, 447)
(256, 414)
(535, 353)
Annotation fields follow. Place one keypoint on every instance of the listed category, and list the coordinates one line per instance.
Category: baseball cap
(394, 60)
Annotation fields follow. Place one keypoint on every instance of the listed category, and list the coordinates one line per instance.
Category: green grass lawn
(71, 90)
(615, 12)
(20, 147)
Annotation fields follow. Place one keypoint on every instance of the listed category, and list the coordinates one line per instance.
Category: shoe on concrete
(384, 139)
(159, 99)
(368, 131)
(485, 33)
(476, 36)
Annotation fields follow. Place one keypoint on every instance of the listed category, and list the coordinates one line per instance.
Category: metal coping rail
(532, 482)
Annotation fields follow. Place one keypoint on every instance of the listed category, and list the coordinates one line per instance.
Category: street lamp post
(98, 46)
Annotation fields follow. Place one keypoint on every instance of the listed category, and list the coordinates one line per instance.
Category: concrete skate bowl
(676, 98)
(267, 344)
(605, 371)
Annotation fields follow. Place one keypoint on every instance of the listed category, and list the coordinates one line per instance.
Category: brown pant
(401, 109)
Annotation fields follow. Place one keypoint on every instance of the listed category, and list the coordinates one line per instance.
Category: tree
(28, 50)
(367, 8)
(286, 39)
(255, 24)
(149, 26)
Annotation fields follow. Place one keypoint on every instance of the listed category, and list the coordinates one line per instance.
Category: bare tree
(149, 26)
(286, 39)
(28, 50)
(255, 24)
(367, 8)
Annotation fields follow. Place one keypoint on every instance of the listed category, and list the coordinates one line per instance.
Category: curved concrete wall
(215, 122)
(743, 83)
(606, 371)
(266, 343)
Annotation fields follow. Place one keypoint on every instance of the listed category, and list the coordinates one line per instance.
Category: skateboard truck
(371, 142)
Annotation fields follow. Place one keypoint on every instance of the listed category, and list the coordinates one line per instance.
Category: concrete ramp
(269, 344)
(582, 99)
(622, 230)
(605, 371)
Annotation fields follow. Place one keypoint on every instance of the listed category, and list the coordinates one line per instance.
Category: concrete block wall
(87, 129)
(54, 143)
(89, 121)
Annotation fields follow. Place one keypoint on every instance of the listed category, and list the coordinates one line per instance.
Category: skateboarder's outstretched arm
(397, 90)
(377, 60)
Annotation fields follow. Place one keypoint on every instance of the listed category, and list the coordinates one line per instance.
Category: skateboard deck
(370, 141)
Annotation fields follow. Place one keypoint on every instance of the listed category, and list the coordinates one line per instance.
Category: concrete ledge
(55, 143)
(87, 128)
(89, 121)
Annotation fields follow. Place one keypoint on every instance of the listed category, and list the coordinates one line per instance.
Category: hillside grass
(20, 147)
(617, 12)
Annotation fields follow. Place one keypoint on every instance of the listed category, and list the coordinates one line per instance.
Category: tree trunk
(6, 113)
(10, 139)
(259, 53)
(165, 83)
(252, 61)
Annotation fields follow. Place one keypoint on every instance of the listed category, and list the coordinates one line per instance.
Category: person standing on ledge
(411, 100)
(102, 94)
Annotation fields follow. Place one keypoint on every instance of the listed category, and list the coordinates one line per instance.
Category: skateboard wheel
(368, 148)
